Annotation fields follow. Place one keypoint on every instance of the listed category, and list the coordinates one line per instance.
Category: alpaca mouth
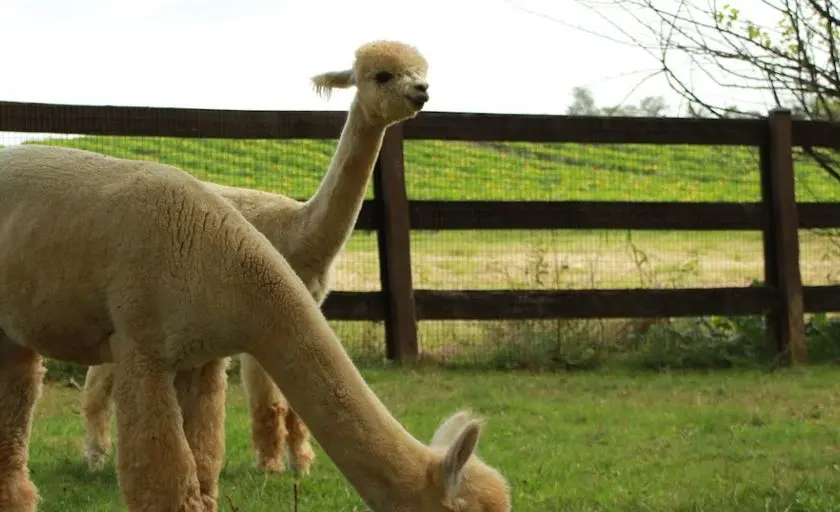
(419, 101)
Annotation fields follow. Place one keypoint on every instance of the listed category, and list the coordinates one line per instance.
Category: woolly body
(390, 78)
(140, 264)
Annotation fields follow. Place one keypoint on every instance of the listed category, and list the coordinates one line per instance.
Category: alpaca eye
(383, 77)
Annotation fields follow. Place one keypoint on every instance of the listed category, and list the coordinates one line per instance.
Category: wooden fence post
(394, 241)
(786, 325)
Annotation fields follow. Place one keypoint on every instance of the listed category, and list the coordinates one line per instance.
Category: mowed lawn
(726, 441)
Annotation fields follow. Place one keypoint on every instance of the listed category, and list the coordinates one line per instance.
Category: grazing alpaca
(139, 264)
(310, 235)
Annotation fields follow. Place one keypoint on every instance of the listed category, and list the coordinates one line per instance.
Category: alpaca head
(390, 81)
(466, 484)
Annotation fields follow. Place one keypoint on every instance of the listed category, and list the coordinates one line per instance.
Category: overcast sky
(485, 55)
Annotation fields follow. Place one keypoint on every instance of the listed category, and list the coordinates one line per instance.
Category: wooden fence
(782, 298)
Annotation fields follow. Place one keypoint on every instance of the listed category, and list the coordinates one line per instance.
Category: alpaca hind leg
(97, 408)
(301, 453)
(201, 394)
(155, 466)
(21, 378)
(268, 410)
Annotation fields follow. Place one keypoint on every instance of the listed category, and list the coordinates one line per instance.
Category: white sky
(485, 55)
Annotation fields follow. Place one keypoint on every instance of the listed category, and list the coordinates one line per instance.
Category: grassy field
(523, 171)
(607, 439)
(521, 259)
(497, 171)
(613, 441)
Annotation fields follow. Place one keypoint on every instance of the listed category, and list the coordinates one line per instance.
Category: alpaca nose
(420, 96)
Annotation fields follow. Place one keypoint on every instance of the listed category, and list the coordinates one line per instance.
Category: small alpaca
(139, 264)
(310, 235)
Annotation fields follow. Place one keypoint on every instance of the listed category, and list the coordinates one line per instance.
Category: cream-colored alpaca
(310, 235)
(104, 260)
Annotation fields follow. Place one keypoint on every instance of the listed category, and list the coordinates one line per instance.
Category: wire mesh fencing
(587, 259)
(532, 259)
(817, 181)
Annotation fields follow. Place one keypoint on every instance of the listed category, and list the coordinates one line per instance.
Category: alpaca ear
(449, 429)
(458, 454)
(326, 82)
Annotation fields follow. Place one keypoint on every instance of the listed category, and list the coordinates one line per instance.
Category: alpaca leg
(97, 408)
(201, 394)
(268, 409)
(301, 454)
(21, 377)
(155, 466)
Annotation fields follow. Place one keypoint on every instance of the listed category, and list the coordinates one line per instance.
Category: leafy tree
(653, 106)
(583, 104)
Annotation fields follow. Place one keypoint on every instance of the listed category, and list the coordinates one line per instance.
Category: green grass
(612, 441)
(522, 171)
(498, 171)
(559, 259)
(600, 440)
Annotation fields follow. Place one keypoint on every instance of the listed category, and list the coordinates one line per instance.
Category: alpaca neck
(330, 215)
(304, 357)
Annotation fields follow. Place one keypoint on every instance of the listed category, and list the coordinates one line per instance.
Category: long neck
(304, 357)
(330, 215)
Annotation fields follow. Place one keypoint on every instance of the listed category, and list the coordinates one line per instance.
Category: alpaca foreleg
(21, 377)
(201, 395)
(301, 454)
(97, 408)
(155, 466)
(268, 409)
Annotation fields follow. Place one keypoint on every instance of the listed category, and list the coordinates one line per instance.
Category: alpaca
(310, 235)
(139, 264)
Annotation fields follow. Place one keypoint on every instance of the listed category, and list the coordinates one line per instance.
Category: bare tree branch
(823, 161)
(795, 62)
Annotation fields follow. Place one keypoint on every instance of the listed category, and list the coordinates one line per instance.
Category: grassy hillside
(522, 171)
(516, 259)
(501, 171)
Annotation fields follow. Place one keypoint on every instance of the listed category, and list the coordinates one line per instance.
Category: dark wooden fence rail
(782, 298)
